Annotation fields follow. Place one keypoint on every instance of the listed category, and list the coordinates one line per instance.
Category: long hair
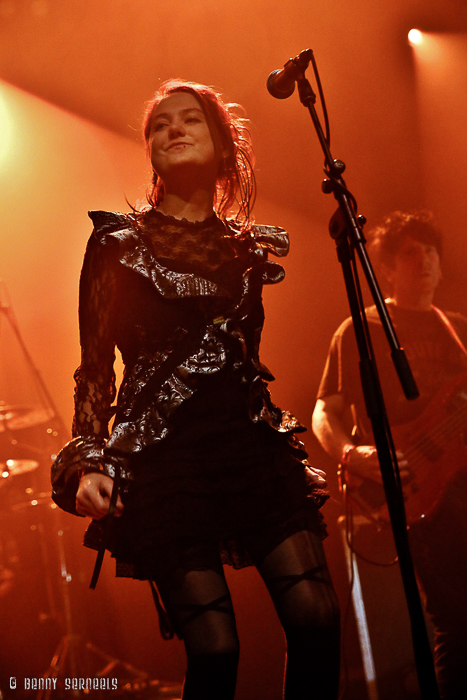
(235, 184)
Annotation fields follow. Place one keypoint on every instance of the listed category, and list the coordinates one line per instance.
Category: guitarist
(407, 248)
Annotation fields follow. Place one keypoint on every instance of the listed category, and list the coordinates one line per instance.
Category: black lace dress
(209, 465)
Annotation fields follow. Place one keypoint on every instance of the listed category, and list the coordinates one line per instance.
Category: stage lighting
(415, 37)
(5, 128)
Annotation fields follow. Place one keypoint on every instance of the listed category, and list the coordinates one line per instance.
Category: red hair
(231, 137)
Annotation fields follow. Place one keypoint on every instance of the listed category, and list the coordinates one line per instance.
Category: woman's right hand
(93, 496)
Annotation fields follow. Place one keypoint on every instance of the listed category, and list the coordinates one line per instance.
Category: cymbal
(18, 417)
(8, 411)
(36, 499)
(18, 466)
(13, 467)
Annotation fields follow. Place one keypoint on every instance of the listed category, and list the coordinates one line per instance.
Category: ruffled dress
(211, 470)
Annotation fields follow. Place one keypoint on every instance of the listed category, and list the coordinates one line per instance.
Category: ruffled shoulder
(270, 239)
(273, 239)
(266, 240)
(109, 221)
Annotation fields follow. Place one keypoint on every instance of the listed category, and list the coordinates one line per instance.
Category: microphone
(281, 82)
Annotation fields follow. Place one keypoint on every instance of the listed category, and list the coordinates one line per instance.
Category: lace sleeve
(95, 377)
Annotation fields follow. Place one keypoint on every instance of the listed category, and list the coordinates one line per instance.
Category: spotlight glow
(6, 130)
(415, 37)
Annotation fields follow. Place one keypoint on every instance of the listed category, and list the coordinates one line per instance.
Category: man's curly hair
(386, 240)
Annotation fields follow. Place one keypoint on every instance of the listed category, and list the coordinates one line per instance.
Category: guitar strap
(450, 328)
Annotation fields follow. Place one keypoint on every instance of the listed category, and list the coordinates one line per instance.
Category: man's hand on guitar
(362, 461)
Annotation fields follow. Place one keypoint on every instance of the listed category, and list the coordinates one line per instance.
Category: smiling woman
(234, 180)
(201, 468)
(180, 136)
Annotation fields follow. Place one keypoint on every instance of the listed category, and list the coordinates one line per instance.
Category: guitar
(435, 447)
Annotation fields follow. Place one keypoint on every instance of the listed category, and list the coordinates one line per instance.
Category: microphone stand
(346, 229)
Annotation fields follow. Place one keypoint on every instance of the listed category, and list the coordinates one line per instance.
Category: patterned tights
(298, 581)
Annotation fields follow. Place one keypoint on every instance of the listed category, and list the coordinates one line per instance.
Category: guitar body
(434, 445)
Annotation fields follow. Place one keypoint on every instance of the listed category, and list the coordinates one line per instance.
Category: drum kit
(29, 437)
(34, 554)
(16, 424)
(25, 435)
(38, 603)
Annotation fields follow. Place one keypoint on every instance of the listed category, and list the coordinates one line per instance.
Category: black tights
(298, 581)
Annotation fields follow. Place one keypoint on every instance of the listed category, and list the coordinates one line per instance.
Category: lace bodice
(188, 246)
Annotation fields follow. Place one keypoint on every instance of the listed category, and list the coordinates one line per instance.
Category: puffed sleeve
(95, 377)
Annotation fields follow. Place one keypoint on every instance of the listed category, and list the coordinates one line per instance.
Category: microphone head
(280, 85)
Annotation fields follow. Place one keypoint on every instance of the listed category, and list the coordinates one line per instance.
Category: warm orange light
(6, 130)
(415, 37)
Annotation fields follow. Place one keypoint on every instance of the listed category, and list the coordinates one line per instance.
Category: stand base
(76, 672)
(381, 616)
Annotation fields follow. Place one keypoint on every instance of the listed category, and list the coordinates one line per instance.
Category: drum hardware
(18, 463)
(23, 449)
(16, 417)
(76, 658)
